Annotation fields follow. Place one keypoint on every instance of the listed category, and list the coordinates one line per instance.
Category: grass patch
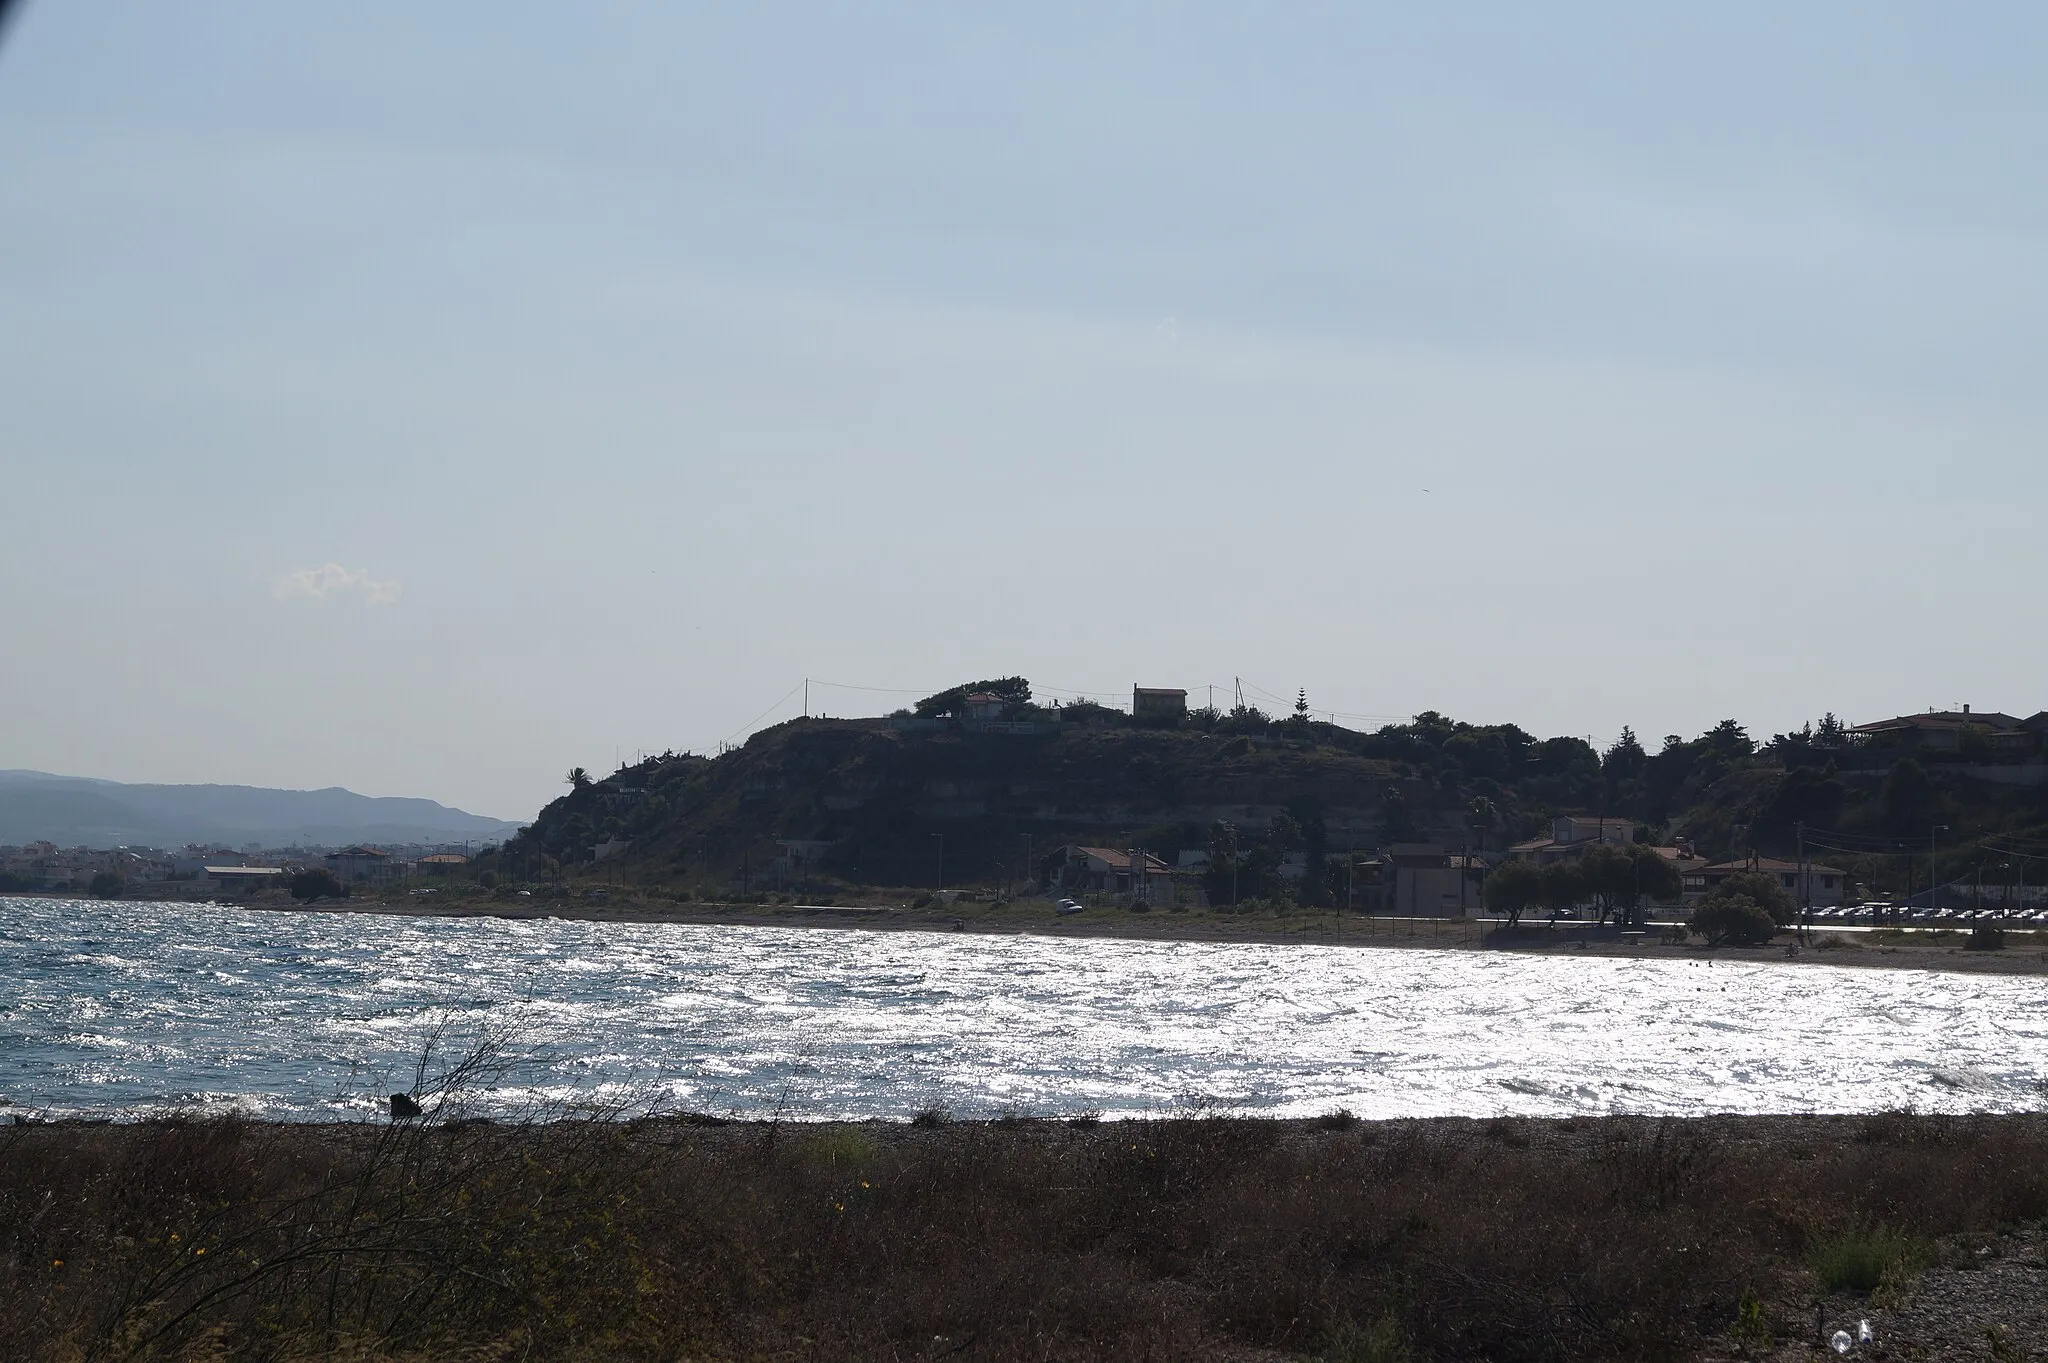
(1379, 1342)
(1864, 1260)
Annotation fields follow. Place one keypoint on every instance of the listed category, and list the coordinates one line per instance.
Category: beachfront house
(1107, 871)
(1807, 882)
(362, 864)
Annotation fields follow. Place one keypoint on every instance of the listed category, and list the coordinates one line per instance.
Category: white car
(1066, 906)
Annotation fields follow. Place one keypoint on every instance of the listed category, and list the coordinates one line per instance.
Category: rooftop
(1774, 865)
(1942, 719)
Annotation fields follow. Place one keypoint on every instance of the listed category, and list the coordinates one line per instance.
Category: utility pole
(1933, 884)
(1805, 885)
(942, 861)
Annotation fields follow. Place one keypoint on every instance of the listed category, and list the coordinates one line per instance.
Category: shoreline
(1932, 951)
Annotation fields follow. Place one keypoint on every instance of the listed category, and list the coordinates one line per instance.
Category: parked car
(1066, 906)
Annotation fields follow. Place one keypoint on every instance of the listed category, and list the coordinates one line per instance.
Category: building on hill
(1811, 883)
(983, 706)
(1572, 836)
(1158, 703)
(800, 855)
(1951, 730)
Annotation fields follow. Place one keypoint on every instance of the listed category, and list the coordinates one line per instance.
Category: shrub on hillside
(1733, 920)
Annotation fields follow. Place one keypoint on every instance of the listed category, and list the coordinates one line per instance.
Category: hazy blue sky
(424, 398)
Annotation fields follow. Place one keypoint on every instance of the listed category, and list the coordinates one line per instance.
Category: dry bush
(1172, 1239)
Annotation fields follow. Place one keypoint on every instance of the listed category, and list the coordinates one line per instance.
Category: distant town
(214, 870)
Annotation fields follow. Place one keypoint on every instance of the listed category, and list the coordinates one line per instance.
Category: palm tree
(578, 778)
(1481, 817)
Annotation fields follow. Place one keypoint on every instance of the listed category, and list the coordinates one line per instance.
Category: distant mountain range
(72, 811)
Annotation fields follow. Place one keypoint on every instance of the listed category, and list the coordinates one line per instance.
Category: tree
(1607, 874)
(1733, 919)
(1013, 690)
(1563, 887)
(107, 885)
(315, 883)
(1284, 834)
(1514, 888)
(1656, 879)
(1763, 890)
(1813, 796)
(1397, 821)
(1482, 816)
(1909, 799)
(1728, 739)
(1301, 705)
(1222, 879)
(579, 779)
(1624, 761)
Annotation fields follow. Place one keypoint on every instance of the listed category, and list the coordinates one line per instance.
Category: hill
(902, 801)
(74, 811)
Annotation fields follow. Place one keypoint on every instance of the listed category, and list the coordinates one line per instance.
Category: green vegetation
(951, 702)
(1864, 1259)
(107, 885)
(1732, 920)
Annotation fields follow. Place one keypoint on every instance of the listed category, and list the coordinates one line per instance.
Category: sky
(425, 399)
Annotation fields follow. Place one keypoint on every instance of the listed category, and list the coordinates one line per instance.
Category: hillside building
(1572, 836)
(1159, 704)
(1953, 730)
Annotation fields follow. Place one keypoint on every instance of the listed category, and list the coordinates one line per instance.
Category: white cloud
(331, 579)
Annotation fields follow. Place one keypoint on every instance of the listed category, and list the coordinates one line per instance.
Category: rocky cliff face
(882, 797)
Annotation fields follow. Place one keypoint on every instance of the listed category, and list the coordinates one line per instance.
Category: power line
(748, 727)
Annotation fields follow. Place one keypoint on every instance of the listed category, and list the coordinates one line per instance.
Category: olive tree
(1512, 889)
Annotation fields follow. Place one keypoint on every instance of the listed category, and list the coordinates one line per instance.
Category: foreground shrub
(1733, 920)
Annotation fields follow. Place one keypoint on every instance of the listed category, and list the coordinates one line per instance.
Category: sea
(125, 1010)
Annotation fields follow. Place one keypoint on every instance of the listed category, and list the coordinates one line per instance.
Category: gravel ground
(1985, 1297)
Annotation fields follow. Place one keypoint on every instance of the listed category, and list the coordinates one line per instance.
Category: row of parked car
(1893, 913)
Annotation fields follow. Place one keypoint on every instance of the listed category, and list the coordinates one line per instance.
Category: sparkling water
(127, 1008)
